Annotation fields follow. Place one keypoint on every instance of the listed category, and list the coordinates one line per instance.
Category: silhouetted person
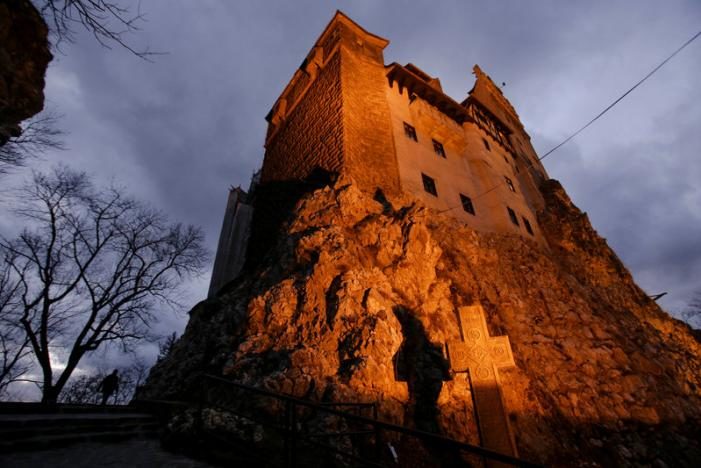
(421, 365)
(109, 385)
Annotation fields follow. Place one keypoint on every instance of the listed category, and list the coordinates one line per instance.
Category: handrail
(378, 424)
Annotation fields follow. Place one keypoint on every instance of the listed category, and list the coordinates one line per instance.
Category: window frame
(465, 200)
(438, 148)
(428, 183)
(510, 184)
(512, 216)
(410, 132)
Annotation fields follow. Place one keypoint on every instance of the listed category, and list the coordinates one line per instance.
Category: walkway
(137, 453)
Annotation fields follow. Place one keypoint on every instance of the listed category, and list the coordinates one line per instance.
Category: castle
(442, 276)
(391, 127)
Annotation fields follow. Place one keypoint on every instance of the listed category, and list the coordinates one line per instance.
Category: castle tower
(391, 127)
(334, 113)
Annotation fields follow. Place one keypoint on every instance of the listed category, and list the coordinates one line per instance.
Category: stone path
(137, 453)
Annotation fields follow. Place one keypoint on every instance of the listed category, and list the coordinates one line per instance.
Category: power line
(622, 96)
(609, 107)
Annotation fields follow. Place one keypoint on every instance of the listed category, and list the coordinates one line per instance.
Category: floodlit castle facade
(391, 127)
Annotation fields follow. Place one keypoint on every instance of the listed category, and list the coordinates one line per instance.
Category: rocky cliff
(358, 296)
(24, 56)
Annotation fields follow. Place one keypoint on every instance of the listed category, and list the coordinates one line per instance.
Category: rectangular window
(410, 132)
(510, 184)
(467, 204)
(438, 148)
(512, 216)
(527, 224)
(486, 144)
(429, 184)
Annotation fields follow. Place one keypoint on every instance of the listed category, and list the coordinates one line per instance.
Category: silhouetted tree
(39, 134)
(83, 390)
(14, 344)
(92, 269)
(107, 20)
(166, 345)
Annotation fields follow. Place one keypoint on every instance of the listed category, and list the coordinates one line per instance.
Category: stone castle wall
(233, 240)
(369, 141)
(311, 133)
(468, 168)
(334, 115)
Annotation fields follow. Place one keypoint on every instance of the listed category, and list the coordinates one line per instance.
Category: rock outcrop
(358, 298)
(24, 56)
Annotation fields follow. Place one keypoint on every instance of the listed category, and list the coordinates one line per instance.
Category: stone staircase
(30, 430)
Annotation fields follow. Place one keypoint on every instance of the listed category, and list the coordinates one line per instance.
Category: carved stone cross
(482, 356)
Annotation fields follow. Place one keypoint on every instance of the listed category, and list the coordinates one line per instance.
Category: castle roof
(340, 17)
(429, 89)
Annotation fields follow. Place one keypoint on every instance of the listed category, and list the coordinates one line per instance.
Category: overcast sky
(178, 132)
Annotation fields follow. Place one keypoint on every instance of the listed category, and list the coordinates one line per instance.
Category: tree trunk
(49, 395)
(51, 392)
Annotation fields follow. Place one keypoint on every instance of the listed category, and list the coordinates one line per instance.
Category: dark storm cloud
(178, 132)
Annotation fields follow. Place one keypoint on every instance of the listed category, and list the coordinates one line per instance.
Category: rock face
(24, 56)
(359, 296)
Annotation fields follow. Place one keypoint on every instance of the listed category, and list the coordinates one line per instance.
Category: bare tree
(93, 269)
(84, 389)
(107, 20)
(166, 345)
(14, 345)
(39, 134)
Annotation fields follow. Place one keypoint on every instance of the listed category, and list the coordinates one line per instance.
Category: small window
(486, 144)
(510, 184)
(512, 216)
(467, 204)
(429, 185)
(528, 225)
(438, 148)
(410, 132)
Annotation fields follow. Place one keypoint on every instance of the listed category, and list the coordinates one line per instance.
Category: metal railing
(339, 429)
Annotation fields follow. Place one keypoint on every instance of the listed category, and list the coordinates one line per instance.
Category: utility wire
(622, 96)
(598, 116)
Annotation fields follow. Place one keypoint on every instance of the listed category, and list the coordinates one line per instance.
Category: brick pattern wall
(312, 134)
(295, 93)
(369, 145)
